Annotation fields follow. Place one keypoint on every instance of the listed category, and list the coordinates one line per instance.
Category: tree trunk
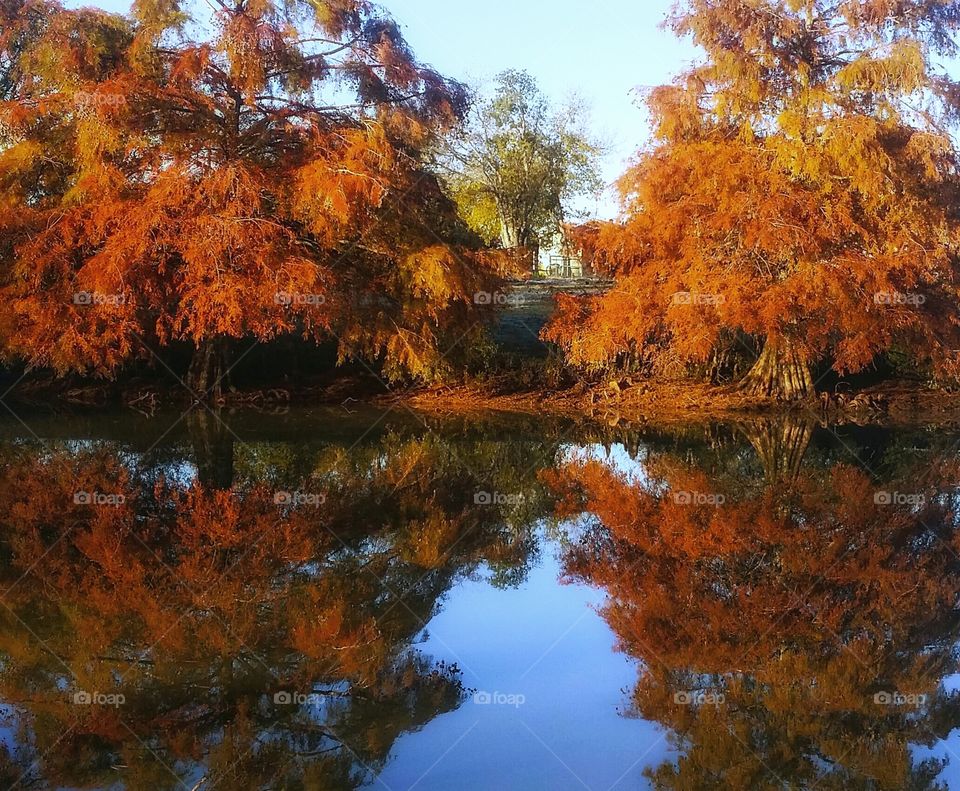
(508, 233)
(780, 373)
(208, 368)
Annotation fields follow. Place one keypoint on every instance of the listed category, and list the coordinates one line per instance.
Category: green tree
(518, 163)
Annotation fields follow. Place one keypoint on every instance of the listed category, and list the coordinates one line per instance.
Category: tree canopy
(518, 164)
(800, 195)
(201, 175)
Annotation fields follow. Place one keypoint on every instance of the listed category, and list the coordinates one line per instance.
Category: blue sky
(602, 50)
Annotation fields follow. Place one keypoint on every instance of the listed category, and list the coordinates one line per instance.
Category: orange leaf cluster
(796, 193)
(155, 189)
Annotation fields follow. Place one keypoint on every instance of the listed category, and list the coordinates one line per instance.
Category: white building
(560, 259)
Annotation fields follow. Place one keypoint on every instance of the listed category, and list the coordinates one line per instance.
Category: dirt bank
(610, 403)
(892, 403)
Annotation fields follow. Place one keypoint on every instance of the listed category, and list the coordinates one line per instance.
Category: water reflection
(243, 611)
(246, 605)
(794, 607)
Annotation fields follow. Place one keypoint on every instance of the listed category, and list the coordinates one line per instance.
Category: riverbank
(894, 403)
(612, 402)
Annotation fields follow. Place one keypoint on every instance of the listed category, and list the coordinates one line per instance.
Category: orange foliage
(158, 189)
(794, 193)
(198, 604)
(795, 600)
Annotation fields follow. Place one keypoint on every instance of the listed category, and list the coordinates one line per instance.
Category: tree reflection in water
(777, 597)
(258, 615)
(259, 604)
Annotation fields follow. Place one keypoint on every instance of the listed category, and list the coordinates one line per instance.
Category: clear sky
(602, 50)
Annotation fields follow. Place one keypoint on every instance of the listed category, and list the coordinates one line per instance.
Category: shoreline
(894, 403)
(889, 403)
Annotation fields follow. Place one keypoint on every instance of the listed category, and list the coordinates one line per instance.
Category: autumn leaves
(164, 177)
(268, 151)
(804, 179)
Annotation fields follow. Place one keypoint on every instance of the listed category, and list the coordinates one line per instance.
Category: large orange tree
(207, 172)
(799, 198)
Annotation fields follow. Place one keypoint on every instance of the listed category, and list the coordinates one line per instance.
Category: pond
(347, 598)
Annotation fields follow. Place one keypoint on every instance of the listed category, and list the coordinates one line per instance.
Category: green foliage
(518, 164)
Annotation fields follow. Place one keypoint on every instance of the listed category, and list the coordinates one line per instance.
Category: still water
(336, 599)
